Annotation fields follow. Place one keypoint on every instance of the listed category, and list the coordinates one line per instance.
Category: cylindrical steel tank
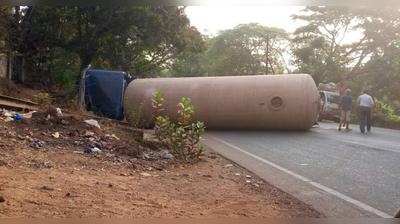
(268, 102)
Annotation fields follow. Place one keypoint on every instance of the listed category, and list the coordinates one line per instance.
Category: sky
(210, 19)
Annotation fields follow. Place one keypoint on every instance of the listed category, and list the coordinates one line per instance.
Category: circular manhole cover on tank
(276, 102)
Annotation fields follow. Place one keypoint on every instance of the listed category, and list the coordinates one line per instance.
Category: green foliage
(382, 115)
(319, 46)
(44, 100)
(6, 29)
(181, 139)
(65, 70)
(136, 39)
(241, 51)
(136, 117)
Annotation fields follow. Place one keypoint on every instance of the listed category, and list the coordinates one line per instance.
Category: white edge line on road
(317, 185)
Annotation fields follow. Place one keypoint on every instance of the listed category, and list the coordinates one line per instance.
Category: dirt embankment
(45, 172)
(124, 180)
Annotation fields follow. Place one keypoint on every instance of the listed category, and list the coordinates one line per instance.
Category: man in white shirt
(366, 102)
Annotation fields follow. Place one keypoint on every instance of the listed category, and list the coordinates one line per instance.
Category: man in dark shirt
(345, 103)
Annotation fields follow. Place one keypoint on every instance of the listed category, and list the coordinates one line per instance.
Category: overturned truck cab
(268, 102)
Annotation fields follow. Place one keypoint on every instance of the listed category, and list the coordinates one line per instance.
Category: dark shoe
(363, 132)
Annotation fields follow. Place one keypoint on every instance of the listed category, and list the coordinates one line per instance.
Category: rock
(2, 199)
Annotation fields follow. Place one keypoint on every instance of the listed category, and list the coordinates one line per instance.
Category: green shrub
(181, 139)
(382, 115)
(136, 117)
(43, 100)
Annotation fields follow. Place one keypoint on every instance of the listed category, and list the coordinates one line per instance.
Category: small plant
(136, 117)
(181, 139)
(44, 100)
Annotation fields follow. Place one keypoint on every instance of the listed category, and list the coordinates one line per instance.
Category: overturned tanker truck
(273, 102)
(268, 102)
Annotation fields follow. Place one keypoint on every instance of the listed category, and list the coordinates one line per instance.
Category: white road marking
(371, 146)
(315, 184)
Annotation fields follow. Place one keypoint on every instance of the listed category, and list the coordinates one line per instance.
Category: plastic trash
(93, 122)
(97, 145)
(56, 135)
(59, 112)
(166, 155)
(29, 114)
(8, 119)
(96, 150)
(7, 114)
(93, 150)
(37, 145)
(18, 117)
(114, 136)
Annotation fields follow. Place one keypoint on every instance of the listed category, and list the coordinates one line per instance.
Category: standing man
(346, 102)
(366, 102)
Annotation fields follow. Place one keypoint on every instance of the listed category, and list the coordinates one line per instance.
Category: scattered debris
(59, 112)
(18, 117)
(56, 135)
(248, 176)
(69, 195)
(8, 119)
(166, 155)
(92, 150)
(248, 181)
(93, 122)
(237, 174)
(88, 134)
(114, 136)
(145, 174)
(228, 165)
(37, 145)
(47, 188)
(304, 164)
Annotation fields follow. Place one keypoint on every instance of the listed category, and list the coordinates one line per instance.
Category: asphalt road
(341, 174)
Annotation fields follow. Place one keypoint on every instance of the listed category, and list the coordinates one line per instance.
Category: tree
(382, 75)
(133, 39)
(6, 23)
(319, 47)
(241, 51)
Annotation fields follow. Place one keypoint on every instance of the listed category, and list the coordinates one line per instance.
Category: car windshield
(333, 97)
